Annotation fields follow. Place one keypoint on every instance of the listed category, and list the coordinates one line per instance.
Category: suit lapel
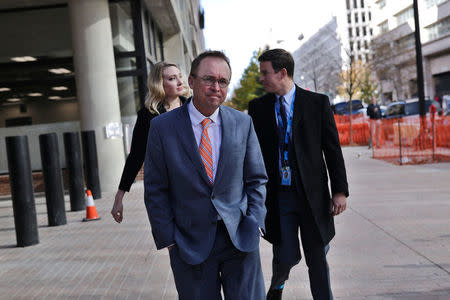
(272, 132)
(187, 139)
(299, 110)
(228, 127)
(271, 113)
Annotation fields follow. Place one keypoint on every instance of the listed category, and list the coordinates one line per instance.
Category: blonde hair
(156, 92)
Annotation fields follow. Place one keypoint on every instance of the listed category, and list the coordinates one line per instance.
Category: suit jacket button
(212, 197)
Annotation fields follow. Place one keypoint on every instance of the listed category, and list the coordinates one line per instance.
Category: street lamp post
(422, 139)
(419, 65)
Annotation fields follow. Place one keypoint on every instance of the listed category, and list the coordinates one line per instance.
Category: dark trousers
(295, 213)
(239, 273)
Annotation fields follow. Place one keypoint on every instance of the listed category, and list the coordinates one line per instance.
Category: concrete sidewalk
(393, 242)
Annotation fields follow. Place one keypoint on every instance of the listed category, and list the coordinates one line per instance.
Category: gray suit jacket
(182, 206)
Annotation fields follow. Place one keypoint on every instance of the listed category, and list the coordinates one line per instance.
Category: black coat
(317, 149)
(138, 146)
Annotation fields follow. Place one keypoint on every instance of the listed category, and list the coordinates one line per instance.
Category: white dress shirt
(214, 131)
(288, 98)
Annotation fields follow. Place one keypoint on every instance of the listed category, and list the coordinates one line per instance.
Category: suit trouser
(295, 213)
(238, 272)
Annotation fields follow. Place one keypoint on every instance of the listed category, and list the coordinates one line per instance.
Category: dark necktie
(283, 116)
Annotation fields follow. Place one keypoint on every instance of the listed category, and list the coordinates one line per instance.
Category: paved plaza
(392, 242)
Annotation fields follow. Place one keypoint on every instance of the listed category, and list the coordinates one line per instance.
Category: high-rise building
(71, 65)
(345, 38)
(394, 47)
(318, 61)
(359, 31)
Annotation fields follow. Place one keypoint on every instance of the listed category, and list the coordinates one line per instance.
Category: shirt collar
(197, 117)
(289, 96)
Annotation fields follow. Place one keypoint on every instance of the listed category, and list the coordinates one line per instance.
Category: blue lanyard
(289, 118)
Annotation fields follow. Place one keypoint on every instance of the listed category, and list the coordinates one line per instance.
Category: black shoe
(274, 294)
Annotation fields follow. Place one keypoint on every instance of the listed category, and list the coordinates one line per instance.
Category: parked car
(343, 108)
(446, 105)
(405, 108)
(383, 110)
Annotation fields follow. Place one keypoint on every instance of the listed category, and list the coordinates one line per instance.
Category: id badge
(286, 176)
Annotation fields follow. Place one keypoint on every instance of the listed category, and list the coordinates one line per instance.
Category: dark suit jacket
(317, 148)
(181, 204)
(138, 146)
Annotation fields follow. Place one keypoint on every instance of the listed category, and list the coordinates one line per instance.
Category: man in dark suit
(300, 143)
(205, 189)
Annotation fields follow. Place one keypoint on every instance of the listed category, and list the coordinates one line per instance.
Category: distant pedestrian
(374, 113)
(205, 189)
(166, 91)
(300, 145)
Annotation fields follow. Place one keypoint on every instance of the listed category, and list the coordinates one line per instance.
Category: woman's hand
(117, 210)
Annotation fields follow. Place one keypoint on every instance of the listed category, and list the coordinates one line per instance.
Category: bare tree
(350, 83)
(386, 63)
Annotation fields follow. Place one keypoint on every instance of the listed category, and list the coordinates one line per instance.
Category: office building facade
(76, 65)
(394, 48)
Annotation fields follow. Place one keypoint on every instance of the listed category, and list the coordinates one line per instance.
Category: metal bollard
(54, 191)
(21, 183)
(91, 163)
(74, 165)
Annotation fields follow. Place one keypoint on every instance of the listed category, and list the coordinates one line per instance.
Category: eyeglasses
(211, 80)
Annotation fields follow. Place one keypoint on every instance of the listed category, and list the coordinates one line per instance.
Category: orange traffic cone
(91, 211)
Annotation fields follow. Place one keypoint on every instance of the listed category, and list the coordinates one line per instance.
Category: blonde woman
(166, 92)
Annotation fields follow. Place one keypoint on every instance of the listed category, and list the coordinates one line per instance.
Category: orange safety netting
(407, 140)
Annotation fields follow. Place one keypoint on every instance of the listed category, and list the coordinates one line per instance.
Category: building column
(95, 75)
(428, 78)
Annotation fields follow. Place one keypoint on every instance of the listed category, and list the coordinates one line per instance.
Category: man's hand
(338, 204)
(170, 247)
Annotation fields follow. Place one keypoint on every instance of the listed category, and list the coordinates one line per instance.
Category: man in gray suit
(205, 189)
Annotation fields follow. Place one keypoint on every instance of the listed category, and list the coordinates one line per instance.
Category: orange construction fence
(407, 140)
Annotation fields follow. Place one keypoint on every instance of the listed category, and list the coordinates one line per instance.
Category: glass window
(362, 3)
(128, 95)
(348, 4)
(148, 31)
(37, 75)
(350, 32)
(153, 45)
(357, 31)
(355, 4)
(364, 31)
(439, 29)
(405, 15)
(384, 27)
(431, 3)
(125, 63)
(406, 41)
(122, 26)
(363, 16)
(395, 109)
(349, 18)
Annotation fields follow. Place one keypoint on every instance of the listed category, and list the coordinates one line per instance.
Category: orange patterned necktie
(206, 149)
